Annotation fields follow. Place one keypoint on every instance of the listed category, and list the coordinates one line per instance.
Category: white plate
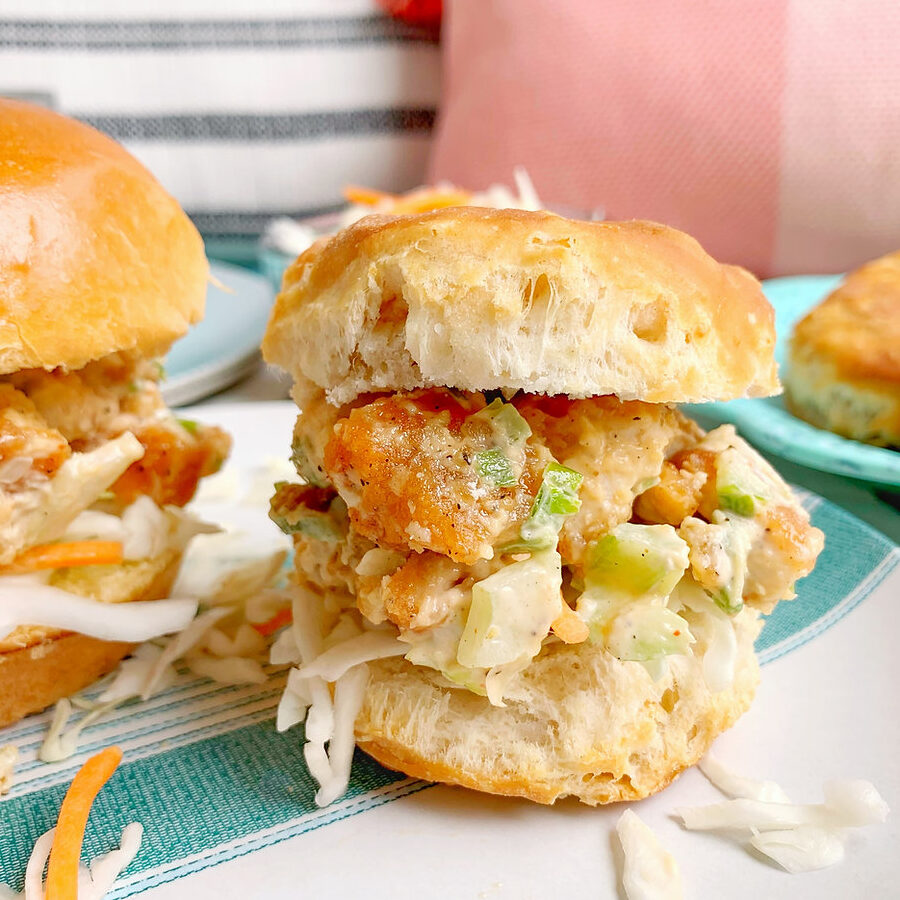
(224, 347)
(826, 708)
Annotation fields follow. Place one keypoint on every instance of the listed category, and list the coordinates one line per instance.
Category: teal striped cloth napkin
(211, 780)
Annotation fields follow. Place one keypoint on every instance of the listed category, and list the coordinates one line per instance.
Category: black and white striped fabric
(243, 110)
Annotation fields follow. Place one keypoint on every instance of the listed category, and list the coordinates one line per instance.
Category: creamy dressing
(43, 513)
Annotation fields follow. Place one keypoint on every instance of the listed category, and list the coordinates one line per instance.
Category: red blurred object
(415, 12)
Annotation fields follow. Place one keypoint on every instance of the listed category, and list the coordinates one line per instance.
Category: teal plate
(766, 422)
(224, 347)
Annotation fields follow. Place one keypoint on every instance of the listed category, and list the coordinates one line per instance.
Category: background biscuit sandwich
(520, 567)
(844, 357)
(100, 271)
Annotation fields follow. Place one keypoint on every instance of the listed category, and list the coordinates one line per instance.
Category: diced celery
(511, 612)
(558, 494)
(598, 609)
(494, 466)
(190, 426)
(556, 498)
(300, 452)
(737, 542)
(300, 519)
(471, 679)
(511, 422)
(741, 486)
(733, 499)
(506, 421)
(316, 526)
(642, 632)
(645, 561)
(436, 649)
(719, 551)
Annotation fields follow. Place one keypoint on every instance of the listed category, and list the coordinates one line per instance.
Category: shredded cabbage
(229, 670)
(146, 530)
(847, 804)
(134, 674)
(284, 651)
(33, 603)
(262, 605)
(649, 871)
(349, 692)
(8, 758)
(802, 849)
(105, 869)
(316, 757)
(94, 881)
(60, 744)
(737, 786)
(721, 654)
(77, 484)
(799, 838)
(143, 528)
(34, 870)
(180, 645)
(307, 695)
(342, 657)
(246, 641)
(294, 702)
(320, 718)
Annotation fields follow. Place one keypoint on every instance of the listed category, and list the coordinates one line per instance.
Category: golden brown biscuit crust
(844, 357)
(39, 666)
(95, 257)
(483, 299)
(857, 327)
(588, 725)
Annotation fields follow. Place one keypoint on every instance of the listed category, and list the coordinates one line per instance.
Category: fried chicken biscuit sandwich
(100, 271)
(524, 570)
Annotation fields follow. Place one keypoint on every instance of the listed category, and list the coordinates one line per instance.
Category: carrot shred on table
(65, 854)
(363, 196)
(279, 620)
(65, 555)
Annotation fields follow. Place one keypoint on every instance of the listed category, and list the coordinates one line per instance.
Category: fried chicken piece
(407, 466)
(676, 497)
(425, 591)
(104, 399)
(786, 552)
(616, 446)
(25, 434)
(174, 461)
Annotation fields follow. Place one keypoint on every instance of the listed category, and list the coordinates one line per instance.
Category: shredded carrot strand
(424, 201)
(419, 200)
(66, 555)
(569, 627)
(65, 854)
(363, 196)
(279, 620)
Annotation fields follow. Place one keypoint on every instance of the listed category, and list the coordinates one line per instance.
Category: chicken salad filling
(479, 528)
(93, 471)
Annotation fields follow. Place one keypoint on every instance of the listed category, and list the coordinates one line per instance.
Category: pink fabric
(705, 116)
